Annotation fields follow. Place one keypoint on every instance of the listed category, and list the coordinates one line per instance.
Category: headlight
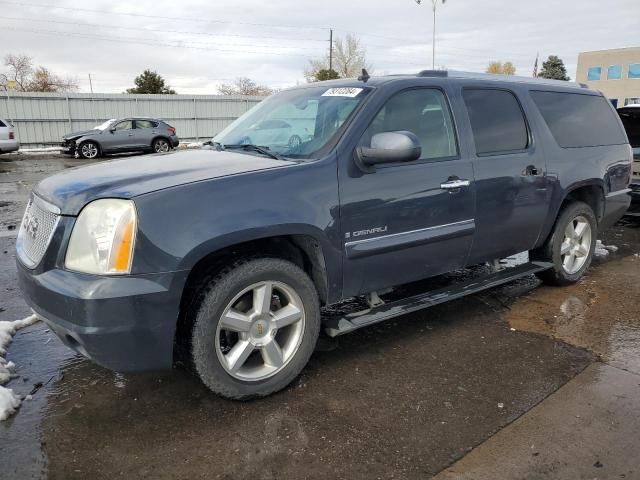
(103, 237)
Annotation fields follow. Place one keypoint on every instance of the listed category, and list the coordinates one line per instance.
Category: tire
(161, 145)
(565, 241)
(250, 329)
(89, 150)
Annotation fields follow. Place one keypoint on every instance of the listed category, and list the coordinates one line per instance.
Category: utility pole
(90, 84)
(93, 110)
(330, 49)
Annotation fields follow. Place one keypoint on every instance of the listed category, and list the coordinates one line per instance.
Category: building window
(614, 72)
(632, 101)
(594, 73)
(634, 70)
(614, 102)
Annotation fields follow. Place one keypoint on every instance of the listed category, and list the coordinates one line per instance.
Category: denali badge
(368, 231)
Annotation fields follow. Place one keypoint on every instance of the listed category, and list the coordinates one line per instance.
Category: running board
(340, 325)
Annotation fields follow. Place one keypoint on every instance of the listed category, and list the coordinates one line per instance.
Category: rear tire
(255, 325)
(570, 246)
(161, 145)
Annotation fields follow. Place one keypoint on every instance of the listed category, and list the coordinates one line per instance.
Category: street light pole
(434, 3)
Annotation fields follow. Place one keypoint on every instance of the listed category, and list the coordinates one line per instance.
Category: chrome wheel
(260, 331)
(576, 246)
(161, 146)
(89, 150)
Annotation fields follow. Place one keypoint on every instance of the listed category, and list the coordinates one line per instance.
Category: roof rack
(491, 76)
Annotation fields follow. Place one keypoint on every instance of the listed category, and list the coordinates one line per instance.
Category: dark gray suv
(121, 135)
(234, 259)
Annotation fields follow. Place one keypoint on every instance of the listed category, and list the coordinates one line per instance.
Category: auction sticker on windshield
(342, 92)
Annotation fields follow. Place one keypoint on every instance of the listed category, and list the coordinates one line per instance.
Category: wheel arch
(156, 137)
(303, 249)
(80, 141)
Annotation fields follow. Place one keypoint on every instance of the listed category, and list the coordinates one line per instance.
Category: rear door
(402, 223)
(512, 200)
(4, 131)
(144, 133)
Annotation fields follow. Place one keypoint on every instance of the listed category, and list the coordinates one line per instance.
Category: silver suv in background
(8, 140)
(121, 135)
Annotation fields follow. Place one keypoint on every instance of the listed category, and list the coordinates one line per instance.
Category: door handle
(131, 134)
(454, 184)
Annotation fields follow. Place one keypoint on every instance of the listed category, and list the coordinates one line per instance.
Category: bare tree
(244, 86)
(44, 80)
(28, 79)
(349, 58)
(499, 68)
(20, 69)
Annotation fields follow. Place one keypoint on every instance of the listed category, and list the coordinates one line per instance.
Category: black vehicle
(630, 116)
(121, 136)
(228, 258)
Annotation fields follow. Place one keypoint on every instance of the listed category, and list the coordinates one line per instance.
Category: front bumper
(124, 323)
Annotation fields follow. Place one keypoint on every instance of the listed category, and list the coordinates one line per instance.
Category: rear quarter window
(631, 120)
(2, 124)
(579, 120)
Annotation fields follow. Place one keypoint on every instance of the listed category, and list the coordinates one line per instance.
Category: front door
(510, 171)
(404, 222)
(119, 137)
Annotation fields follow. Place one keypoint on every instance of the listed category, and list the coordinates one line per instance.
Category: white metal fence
(43, 118)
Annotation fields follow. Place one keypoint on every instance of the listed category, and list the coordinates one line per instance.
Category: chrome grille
(38, 224)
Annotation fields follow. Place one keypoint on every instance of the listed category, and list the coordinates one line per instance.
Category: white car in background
(276, 132)
(8, 140)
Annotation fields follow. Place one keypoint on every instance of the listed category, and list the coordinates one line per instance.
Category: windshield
(105, 125)
(295, 123)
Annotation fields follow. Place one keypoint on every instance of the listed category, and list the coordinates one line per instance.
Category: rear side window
(497, 120)
(2, 124)
(578, 120)
(145, 124)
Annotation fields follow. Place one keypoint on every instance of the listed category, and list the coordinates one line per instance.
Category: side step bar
(352, 321)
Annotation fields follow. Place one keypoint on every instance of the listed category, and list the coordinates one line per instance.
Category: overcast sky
(197, 45)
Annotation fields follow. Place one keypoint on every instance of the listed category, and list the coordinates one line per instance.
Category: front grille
(38, 224)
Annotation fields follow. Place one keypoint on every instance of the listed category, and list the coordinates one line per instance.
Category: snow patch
(603, 250)
(9, 401)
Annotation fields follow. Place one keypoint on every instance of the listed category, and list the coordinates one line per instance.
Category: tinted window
(126, 125)
(631, 120)
(496, 120)
(2, 124)
(614, 72)
(423, 112)
(594, 73)
(145, 124)
(634, 70)
(577, 120)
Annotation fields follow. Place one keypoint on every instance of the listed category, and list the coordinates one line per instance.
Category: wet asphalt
(403, 399)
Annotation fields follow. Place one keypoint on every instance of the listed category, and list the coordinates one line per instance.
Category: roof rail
(491, 76)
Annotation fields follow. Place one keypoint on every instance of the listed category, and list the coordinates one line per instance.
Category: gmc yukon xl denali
(231, 259)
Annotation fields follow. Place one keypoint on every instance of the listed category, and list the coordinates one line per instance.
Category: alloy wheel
(576, 246)
(162, 146)
(89, 150)
(260, 331)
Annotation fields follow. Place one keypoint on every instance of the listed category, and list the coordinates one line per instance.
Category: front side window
(125, 125)
(296, 123)
(614, 72)
(423, 112)
(634, 70)
(594, 73)
(497, 121)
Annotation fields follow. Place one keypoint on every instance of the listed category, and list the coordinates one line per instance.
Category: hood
(81, 133)
(128, 177)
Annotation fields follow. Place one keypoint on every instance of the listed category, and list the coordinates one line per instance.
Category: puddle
(595, 313)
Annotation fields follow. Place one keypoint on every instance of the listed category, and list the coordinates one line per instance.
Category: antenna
(364, 76)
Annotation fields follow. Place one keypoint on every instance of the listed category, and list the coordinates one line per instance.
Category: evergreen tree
(554, 68)
(150, 82)
(326, 74)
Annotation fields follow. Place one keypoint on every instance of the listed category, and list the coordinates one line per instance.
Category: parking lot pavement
(405, 399)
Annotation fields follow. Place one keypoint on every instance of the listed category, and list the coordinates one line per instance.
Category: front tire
(571, 245)
(89, 150)
(255, 326)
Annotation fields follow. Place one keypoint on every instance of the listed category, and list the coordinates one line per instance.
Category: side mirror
(112, 129)
(208, 143)
(388, 147)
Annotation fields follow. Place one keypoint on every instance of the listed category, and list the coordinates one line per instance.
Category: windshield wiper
(252, 147)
